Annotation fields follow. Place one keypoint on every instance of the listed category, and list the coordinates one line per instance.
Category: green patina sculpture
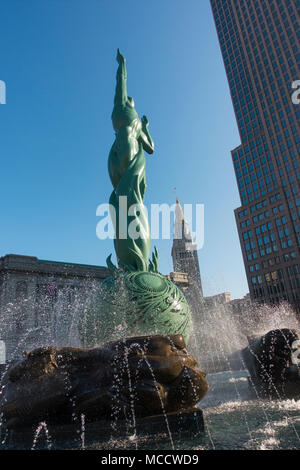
(136, 299)
(126, 166)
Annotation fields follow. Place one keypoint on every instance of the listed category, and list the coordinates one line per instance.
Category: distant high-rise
(184, 252)
(259, 40)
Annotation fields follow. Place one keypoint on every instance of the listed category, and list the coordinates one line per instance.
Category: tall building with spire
(186, 276)
(259, 40)
(184, 252)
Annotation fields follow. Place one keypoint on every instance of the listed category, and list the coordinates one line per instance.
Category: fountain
(136, 298)
(134, 385)
(142, 379)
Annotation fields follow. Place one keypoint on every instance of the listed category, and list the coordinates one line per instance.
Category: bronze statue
(126, 166)
(136, 299)
(131, 133)
(148, 374)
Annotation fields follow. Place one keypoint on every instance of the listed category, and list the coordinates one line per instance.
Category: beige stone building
(41, 301)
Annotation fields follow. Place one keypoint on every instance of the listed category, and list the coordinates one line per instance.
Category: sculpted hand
(120, 57)
(145, 122)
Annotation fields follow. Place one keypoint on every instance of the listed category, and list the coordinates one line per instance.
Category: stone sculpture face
(52, 383)
(269, 361)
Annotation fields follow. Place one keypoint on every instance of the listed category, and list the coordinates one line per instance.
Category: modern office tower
(185, 259)
(259, 40)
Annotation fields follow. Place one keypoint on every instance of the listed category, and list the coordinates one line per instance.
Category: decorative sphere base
(135, 303)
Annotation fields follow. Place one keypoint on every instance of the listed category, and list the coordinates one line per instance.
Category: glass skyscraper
(259, 40)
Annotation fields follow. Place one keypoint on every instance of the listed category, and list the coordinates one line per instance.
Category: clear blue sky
(58, 62)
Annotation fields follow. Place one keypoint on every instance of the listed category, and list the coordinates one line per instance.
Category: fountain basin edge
(186, 424)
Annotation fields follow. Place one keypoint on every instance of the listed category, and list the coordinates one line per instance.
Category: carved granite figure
(269, 360)
(147, 375)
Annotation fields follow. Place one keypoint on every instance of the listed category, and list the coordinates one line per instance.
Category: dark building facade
(259, 40)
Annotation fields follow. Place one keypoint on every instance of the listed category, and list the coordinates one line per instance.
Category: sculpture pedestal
(186, 424)
(134, 304)
(136, 386)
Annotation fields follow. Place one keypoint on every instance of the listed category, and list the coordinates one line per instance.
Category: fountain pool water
(235, 415)
(230, 422)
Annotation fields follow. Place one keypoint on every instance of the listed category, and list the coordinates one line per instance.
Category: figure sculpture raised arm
(126, 166)
(136, 299)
